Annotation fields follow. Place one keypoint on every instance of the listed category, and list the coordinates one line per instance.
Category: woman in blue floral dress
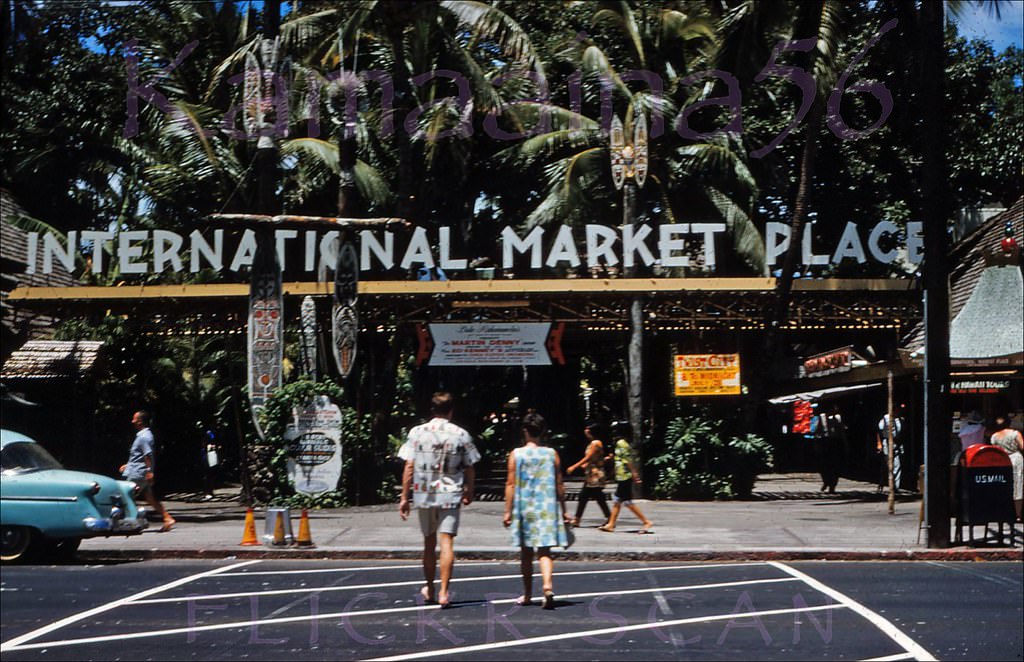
(535, 506)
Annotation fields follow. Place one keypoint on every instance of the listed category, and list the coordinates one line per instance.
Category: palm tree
(748, 28)
(406, 40)
(574, 154)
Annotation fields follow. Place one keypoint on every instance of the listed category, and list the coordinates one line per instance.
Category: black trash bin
(984, 490)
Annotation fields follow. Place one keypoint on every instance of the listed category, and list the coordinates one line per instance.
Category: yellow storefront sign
(706, 374)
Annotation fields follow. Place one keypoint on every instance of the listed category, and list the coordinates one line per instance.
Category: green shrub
(698, 461)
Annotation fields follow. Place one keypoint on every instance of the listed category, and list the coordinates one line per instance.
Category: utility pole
(936, 302)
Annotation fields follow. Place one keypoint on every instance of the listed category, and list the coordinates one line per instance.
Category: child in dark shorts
(626, 475)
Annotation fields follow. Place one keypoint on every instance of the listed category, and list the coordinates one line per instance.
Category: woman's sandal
(605, 528)
(523, 601)
(549, 600)
(427, 598)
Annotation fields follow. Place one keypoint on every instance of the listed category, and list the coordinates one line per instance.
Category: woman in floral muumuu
(535, 506)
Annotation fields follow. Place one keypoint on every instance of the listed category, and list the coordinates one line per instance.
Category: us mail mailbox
(985, 489)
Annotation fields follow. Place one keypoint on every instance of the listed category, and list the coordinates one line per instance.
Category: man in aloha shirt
(439, 458)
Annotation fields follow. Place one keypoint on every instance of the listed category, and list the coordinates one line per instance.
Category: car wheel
(60, 549)
(15, 542)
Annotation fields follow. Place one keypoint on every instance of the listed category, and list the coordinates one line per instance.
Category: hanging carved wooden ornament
(264, 107)
(308, 315)
(640, 149)
(346, 333)
(252, 95)
(345, 320)
(617, 139)
(266, 341)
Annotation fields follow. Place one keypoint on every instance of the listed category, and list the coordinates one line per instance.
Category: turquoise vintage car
(46, 510)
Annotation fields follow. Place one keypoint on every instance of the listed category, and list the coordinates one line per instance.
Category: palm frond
(319, 151)
(620, 16)
(540, 148)
(677, 27)
(746, 239)
(302, 34)
(373, 187)
(231, 64)
(529, 112)
(188, 122)
(487, 21)
(485, 96)
(571, 184)
(595, 64)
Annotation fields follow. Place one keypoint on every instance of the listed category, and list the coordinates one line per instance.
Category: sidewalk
(787, 518)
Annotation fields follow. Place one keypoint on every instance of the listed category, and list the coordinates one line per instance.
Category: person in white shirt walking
(439, 458)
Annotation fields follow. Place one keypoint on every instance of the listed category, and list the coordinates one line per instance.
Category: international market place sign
(706, 374)
(667, 244)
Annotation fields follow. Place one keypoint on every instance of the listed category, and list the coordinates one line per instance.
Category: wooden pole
(890, 424)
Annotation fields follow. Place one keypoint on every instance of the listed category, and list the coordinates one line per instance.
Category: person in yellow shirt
(626, 475)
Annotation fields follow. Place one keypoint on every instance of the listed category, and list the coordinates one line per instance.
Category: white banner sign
(490, 344)
(314, 465)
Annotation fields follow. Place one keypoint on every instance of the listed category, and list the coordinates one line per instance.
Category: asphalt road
(321, 610)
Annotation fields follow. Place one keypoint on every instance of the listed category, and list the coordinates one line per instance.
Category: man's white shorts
(439, 520)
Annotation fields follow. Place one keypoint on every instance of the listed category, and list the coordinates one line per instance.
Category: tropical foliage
(699, 459)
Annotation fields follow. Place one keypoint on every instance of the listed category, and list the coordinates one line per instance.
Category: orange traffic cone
(279, 528)
(304, 539)
(249, 534)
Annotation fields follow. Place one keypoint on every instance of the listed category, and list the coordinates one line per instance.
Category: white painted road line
(500, 645)
(419, 566)
(16, 642)
(887, 628)
(890, 658)
(419, 582)
(195, 629)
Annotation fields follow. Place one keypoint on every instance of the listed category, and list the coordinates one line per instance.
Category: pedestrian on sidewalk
(141, 466)
(594, 478)
(535, 506)
(439, 458)
(1012, 442)
(832, 447)
(882, 448)
(626, 476)
(973, 431)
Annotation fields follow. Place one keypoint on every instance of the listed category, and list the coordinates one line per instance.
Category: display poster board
(314, 443)
(480, 344)
(706, 374)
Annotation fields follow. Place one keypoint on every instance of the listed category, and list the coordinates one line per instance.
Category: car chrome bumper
(101, 525)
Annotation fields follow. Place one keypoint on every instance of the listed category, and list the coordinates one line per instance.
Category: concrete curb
(958, 554)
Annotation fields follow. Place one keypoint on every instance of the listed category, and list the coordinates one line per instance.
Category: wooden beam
(458, 288)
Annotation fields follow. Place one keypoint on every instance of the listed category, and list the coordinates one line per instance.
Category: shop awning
(989, 329)
(821, 393)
